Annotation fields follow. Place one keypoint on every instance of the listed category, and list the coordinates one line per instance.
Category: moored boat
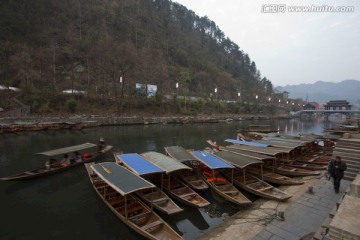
(248, 182)
(156, 197)
(314, 167)
(170, 183)
(289, 171)
(191, 178)
(116, 186)
(56, 167)
(318, 160)
(51, 126)
(275, 178)
(216, 181)
(267, 173)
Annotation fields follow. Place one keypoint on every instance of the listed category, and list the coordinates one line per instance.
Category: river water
(65, 206)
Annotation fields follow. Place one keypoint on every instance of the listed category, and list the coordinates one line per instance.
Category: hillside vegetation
(47, 46)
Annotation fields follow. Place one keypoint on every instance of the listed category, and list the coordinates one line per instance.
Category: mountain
(47, 46)
(323, 92)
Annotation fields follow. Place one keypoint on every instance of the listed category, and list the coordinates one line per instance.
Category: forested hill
(49, 45)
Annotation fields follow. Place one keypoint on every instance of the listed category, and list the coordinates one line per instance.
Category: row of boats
(136, 184)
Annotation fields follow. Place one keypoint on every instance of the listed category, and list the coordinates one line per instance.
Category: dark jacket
(339, 171)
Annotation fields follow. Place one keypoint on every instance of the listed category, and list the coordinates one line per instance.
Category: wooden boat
(254, 148)
(318, 160)
(191, 178)
(28, 126)
(290, 171)
(116, 185)
(309, 166)
(55, 168)
(246, 181)
(275, 178)
(33, 128)
(156, 197)
(256, 186)
(10, 128)
(267, 154)
(268, 167)
(170, 183)
(51, 126)
(211, 165)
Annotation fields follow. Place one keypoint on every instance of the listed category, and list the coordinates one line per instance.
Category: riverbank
(106, 120)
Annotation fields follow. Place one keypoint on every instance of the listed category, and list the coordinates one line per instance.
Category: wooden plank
(151, 225)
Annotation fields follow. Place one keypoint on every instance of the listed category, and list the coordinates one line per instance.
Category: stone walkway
(306, 215)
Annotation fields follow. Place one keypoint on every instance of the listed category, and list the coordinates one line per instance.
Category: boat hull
(135, 215)
(43, 171)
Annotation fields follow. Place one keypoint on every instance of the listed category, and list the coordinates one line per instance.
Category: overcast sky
(290, 47)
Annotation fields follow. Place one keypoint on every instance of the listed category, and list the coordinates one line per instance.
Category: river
(65, 206)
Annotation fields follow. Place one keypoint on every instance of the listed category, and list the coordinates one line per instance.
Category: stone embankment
(131, 120)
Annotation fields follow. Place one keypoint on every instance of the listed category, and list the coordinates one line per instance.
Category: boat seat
(266, 188)
(180, 189)
(115, 201)
(149, 227)
(163, 199)
(196, 181)
(187, 194)
(130, 210)
(230, 192)
(250, 181)
(141, 218)
(175, 185)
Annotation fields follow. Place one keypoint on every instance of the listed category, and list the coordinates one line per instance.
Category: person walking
(336, 171)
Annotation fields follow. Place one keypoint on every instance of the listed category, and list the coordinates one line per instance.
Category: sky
(289, 47)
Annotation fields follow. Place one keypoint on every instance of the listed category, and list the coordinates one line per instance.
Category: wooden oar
(105, 169)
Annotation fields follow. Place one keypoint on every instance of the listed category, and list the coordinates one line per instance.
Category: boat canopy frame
(253, 144)
(237, 160)
(211, 161)
(70, 149)
(138, 164)
(164, 162)
(180, 154)
(271, 151)
(119, 178)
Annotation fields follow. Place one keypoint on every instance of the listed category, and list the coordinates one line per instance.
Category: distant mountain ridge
(322, 92)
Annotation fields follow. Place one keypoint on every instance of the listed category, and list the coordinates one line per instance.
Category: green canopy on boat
(279, 144)
(236, 159)
(271, 151)
(119, 178)
(64, 150)
(164, 162)
(180, 154)
(257, 156)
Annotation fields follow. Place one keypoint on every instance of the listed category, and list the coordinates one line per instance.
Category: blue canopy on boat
(138, 164)
(211, 161)
(253, 144)
(119, 178)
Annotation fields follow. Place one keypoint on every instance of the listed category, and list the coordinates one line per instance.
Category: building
(310, 106)
(337, 105)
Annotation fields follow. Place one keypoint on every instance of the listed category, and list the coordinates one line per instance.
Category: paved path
(306, 214)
